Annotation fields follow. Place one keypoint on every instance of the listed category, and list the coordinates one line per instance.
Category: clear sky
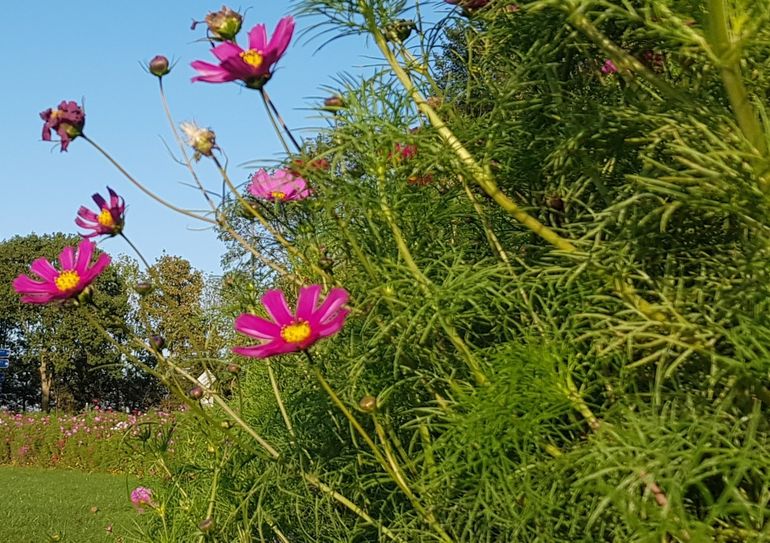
(91, 50)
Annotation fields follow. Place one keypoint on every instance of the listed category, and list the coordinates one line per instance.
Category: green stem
(483, 178)
(279, 400)
(729, 57)
(274, 109)
(136, 250)
(275, 125)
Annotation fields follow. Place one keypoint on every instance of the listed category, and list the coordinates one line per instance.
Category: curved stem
(137, 251)
(483, 178)
(144, 189)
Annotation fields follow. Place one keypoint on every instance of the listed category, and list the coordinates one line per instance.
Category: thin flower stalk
(279, 400)
(272, 110)
(144, 189)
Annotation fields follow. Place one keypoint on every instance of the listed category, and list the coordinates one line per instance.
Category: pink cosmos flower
(609, 67)
(108, 221)
(280, 186)
(403, 151)
(254, 65)
(141, 497)
(289, 332)
(67, 120)
(76, 274)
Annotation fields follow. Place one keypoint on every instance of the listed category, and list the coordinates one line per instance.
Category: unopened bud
(196, 393)
(206, 525)
(334, 104)
(224, 24)
(368, 404)
(399, 30)
(434, 101)
(143, 288)
(226, 424)
(157, 342)
(233, 368)
(159, 66)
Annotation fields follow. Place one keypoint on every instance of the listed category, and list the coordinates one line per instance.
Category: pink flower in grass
(141, 497)
(252, 66)
(108, 221)
(67, 120)
(75, 276)
(280, 186)
(289, 332)
(609, 68)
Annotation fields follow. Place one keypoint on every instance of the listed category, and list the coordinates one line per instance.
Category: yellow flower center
(105, 218)
(252, 57)
(296, 333)
(67, 280)
(278, 195)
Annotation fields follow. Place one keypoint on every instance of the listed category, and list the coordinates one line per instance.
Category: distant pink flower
(141, 497)
(609, 67)
(289, 332)
(251, 66)
(280, 186)
(404, 151)
(67, 120)
(76, 274)
(107, 221)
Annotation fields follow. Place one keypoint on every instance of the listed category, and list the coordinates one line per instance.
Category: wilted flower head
(141, 497)
(252, 66)
(67, 120)
(108, 220)
(202, 140)
(158, 66)
(224, 24)
(289, 332)
(279, 186)
(609, 67)
(75, 276)
(298, 165)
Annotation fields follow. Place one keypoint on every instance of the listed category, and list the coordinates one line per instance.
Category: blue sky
(91, 51)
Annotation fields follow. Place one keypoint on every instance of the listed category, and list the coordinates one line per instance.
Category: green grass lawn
(41, 505)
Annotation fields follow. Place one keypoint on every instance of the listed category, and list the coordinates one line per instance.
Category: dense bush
(552, 222)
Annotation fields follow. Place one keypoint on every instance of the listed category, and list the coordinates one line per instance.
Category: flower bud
(206, 525)
(334, 104)
(399, 30)
(157, 342)
(224, 24)
(159, 66)
(368, 404)
(143, 288)
(225, 424)
(196, 393)
(233, 368)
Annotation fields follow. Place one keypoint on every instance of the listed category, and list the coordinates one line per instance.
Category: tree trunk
(46, 379)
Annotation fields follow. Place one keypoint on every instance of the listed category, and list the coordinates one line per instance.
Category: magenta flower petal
(275, 303)
(85, 252)
(44, 269)
(255, 326)
(333, 326)
(334, 301)
(281, 38)
(258, 37)
(227, 50)
(67, 258)
(99, 266)
(306, 301)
